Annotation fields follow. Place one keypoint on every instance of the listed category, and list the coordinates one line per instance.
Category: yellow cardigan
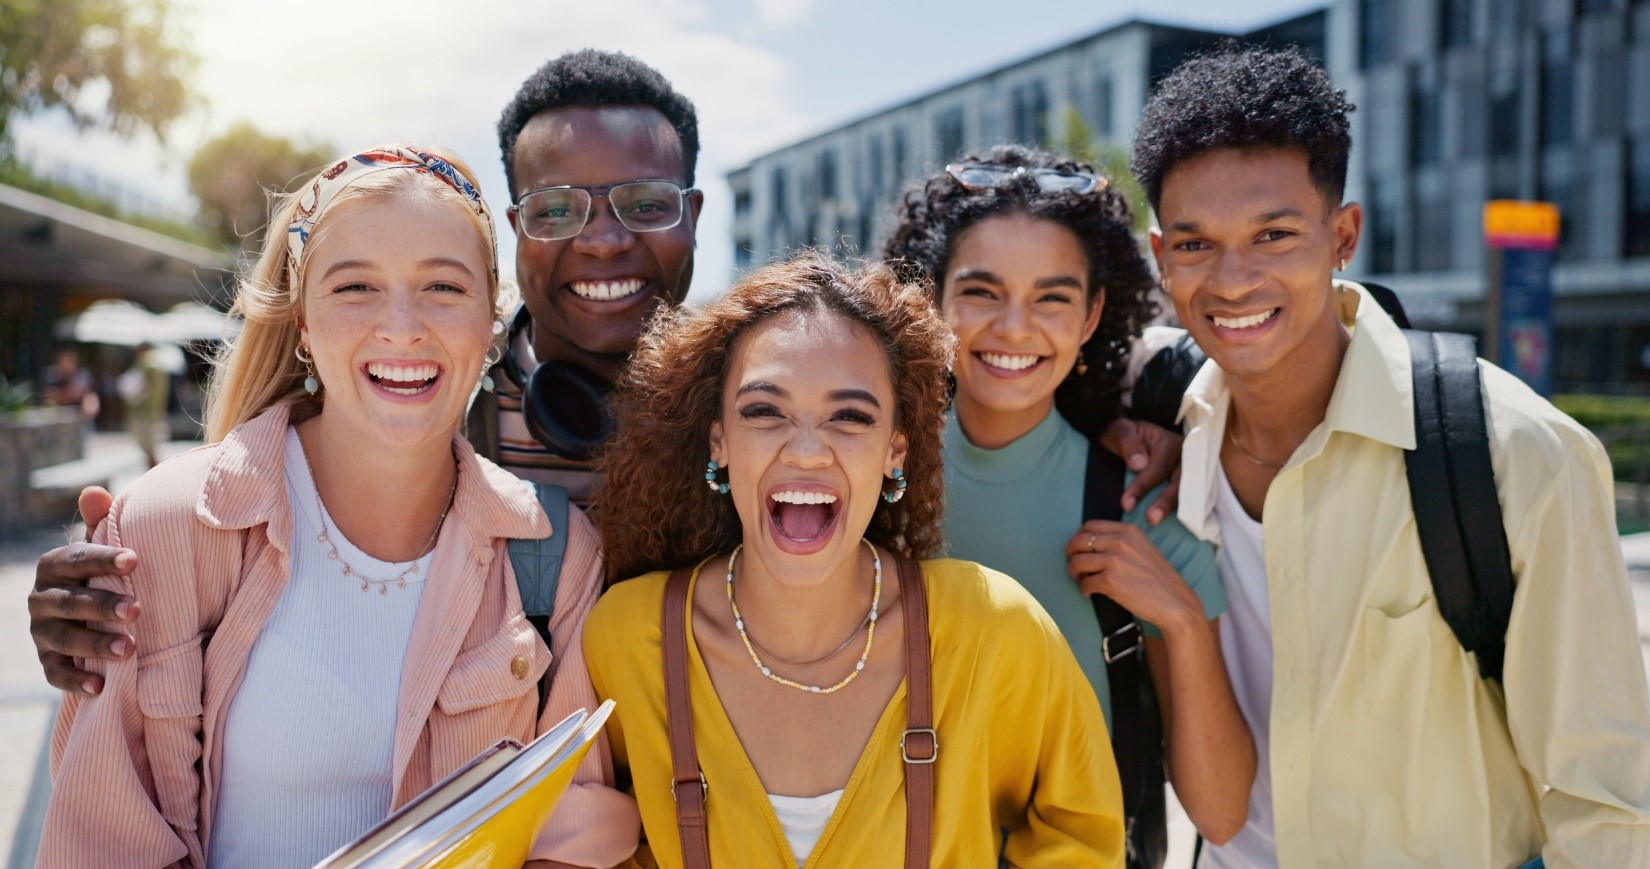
(1023, 747)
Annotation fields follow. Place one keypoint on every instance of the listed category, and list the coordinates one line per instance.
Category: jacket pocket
(169, 691)
(504, 667)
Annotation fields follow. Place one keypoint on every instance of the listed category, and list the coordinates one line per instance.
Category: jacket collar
(1373, 398)
(246, 487)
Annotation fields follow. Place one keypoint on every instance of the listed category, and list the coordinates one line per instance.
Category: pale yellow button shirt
(1387, 748)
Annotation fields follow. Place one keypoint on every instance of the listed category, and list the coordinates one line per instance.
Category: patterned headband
(318, 198)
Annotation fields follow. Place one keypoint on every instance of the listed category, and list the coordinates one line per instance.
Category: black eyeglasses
(555, 213)
(977, 176)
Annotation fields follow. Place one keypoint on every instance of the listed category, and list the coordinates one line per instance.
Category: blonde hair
(259, 369)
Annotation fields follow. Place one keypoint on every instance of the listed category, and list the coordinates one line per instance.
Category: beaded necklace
(870, 635)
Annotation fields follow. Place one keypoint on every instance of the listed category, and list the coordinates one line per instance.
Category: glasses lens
(647, 206)
(1050, 181)
(976, 175)
(550, 215)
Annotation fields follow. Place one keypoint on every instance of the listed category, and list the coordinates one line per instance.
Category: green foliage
(15, 174)
(15, 397)
(1600, 410)
(1622, 422)
(1080, 143)
(232, 174)
(56, 53)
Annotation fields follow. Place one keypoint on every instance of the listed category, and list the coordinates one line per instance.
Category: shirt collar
(1373, 398)
(246, 486)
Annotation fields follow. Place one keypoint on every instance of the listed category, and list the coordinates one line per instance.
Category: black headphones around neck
(563, 404)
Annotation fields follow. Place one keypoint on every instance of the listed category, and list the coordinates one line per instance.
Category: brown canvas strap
(687, 783)
(919, 745)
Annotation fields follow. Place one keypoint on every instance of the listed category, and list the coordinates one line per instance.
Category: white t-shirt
(1246, 641)
(803, 819)
(308, 742)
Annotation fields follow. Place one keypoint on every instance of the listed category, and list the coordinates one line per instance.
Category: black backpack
(1457, 516)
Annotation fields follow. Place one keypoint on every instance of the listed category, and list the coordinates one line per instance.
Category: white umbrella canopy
(111, 321)
(193, 321)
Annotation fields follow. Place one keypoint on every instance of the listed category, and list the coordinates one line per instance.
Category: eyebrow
(1268, 217)
(1041, 283)
(430, 262)
(835, 395)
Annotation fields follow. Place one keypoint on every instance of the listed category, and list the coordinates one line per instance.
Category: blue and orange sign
(1522, 237)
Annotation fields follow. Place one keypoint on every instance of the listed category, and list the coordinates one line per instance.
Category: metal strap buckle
(934, 739)
(1111, 645)
(704, 788)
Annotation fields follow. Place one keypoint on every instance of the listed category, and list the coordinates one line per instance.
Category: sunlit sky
(763, 73)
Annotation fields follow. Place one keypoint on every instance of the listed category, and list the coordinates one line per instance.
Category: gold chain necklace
(325, 538)
(871, 634)
(1232, 436)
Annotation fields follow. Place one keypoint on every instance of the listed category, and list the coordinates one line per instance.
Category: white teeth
(1010, 362)
(403, 373)
(1245, 322)
(791, 497)
(604, 291)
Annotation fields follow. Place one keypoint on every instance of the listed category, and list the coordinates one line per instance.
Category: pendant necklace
(870, 636)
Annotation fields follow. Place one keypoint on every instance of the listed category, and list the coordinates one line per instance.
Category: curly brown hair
(931, 216)
(656, 512)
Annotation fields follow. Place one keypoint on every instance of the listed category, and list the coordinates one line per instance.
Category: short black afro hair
(1243, 98)
(933, 214)
(594, 79)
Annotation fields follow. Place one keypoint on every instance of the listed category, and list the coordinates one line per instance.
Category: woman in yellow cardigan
(784, 442)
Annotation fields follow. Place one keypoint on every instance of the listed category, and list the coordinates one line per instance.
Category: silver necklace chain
(383, 585)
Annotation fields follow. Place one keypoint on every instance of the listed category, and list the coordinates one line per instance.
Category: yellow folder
(488, 812)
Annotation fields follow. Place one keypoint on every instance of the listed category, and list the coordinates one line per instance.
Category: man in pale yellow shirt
(1380, 743)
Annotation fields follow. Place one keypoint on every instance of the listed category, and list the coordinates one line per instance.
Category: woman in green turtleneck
(1034, 265)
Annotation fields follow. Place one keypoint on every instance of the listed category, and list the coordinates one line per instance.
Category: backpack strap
(1453, 494)
(1137, 728)
(537, 565)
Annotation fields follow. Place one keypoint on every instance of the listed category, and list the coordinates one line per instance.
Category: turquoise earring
(312, 384)
(899, 487)
(710, 478)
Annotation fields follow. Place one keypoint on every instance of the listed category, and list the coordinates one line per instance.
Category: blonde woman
(333, 625)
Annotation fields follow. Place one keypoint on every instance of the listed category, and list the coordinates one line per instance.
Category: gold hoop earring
(312, 384)
(1343, 263)
(1082, 364)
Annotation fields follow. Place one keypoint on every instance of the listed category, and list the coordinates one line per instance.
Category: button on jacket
(135, 768)
(1387, 747)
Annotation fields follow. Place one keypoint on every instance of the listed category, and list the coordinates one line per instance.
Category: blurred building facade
(1459, 102)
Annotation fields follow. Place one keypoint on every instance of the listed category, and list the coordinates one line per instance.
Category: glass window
(1557, 101)
(1594, 7)
(1103, 96)
(1029, 114)
(1383, 226)
(873, 160)
(1374, 34)
(1455, 23)
(1636, 225)
(1426, 127)
(1506, 18)
(948, 135)
(1559, 188)
(778, 184)
(898, 153)
(1432, 235)
(827, 174)
(1506, 112)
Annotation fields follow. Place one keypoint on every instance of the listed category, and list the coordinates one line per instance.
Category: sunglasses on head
(978, 176)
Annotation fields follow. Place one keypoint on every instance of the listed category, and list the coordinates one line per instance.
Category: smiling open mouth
(803, 517)
(607, 291)
(403, 379)
(1248, 322)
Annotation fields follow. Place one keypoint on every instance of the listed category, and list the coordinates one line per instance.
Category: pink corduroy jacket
(136, 768)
